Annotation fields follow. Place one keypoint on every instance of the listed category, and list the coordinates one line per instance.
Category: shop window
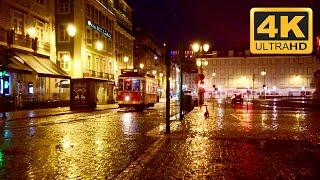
(30, 88)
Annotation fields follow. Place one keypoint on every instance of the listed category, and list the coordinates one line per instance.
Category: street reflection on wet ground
(240, 143)
(234, 142)
(81, 145)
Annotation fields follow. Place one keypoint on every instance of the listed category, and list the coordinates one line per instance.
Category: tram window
(127, 85)
(120, 84)
(136, 85)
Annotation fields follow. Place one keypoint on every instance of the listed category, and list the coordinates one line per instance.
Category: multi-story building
(90, 35)
(27, 44)
(282, 75)
(123, 36)
(149, 54)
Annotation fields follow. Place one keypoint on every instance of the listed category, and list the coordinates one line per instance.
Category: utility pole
(168, 67)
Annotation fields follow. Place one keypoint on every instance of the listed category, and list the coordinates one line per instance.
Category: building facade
(274, 75)
(149, 54)
(92, 41)
(28, 55)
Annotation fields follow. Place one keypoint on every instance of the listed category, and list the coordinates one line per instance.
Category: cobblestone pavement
(87, 145)
(14, 115)
(237, 143)
(232, 143)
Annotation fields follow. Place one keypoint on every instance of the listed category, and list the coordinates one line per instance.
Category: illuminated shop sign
(99, 28)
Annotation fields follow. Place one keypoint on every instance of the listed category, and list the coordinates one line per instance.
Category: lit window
(40, 30)
(64, 59)
(90, 64)
(18, 22)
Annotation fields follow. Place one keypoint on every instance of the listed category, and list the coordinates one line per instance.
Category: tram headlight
(127, 98)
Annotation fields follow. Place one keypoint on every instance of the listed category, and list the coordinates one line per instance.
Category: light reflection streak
(129, 126)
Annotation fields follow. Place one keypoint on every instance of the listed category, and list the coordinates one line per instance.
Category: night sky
(224, 23)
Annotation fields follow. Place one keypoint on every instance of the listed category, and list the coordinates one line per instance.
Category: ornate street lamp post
(200, 49)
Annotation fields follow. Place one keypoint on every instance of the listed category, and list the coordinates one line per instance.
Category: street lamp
(99, 45)
(154, 72)
(196, 47)
(31, 32)
(141, 66)
(125, 60)
(264, 73)
(71, 29)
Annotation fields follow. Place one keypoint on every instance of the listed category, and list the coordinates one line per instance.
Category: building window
(89, 10)
(63, 34)
(89, 36)
(18, 22)
(90, 64)
(63, 7)
(64, 59)
(110, 71)
(40, 2)
(40, 30)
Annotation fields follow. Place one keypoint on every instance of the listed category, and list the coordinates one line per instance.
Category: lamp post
(264, 73)
(141, 66)
(125, 60)
(198, 48)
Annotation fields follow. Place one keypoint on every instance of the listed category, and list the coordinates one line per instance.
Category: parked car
(237, 98)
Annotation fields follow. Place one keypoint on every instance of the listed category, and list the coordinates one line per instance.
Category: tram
(136, 89)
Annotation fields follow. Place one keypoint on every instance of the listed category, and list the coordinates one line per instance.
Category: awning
(17, 66)
(43, 66)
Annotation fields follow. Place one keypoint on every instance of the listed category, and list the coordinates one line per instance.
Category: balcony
(21, 41)
(43, 47)
(94, 74)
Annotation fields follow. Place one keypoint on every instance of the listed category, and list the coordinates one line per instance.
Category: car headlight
(127, 98)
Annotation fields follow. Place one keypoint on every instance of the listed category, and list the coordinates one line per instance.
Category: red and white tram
(137, 89)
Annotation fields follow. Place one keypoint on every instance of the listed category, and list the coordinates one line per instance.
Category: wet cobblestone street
(232, 143)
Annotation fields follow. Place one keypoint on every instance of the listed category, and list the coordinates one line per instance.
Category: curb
(57, 114)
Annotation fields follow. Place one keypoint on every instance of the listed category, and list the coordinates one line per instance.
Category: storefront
(33, 81)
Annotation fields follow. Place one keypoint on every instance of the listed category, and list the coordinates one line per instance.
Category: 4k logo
(281, 31)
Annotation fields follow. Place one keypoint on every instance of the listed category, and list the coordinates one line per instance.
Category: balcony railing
(44, 47)
(24, 41)
(11, 38)
(101, 75)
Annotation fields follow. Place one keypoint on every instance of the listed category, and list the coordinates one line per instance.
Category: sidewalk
(15, 115)
(230, 144)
